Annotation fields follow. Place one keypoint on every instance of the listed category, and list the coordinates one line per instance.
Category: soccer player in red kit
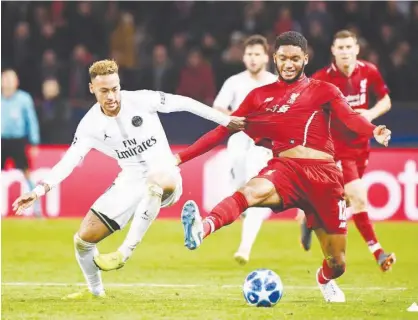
(291, 117)
(356, 79)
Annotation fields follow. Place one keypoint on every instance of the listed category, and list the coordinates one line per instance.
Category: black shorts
(14, 149)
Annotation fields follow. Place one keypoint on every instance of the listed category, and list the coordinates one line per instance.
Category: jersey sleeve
(213, 138)
(225, 96)
(378, 85)
(342, 111)
(81, 145)
(166, 103)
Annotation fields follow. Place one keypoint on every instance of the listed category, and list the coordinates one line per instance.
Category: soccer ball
(262, 288)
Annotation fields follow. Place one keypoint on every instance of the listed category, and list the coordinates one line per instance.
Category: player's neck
(347, 70)
(112, 113)
(257, 76)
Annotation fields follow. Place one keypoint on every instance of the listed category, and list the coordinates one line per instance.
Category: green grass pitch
(164, 280)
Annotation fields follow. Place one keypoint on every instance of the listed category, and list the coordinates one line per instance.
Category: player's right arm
(211, 139)
(225, 97)
(80, 146)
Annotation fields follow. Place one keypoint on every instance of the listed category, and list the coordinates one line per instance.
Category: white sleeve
(225, 97)
(166, 103)
(80, 146)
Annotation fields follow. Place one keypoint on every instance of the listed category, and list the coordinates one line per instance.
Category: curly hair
(291, 38)
(103, 68)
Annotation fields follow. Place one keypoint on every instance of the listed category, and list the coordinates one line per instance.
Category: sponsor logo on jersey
(137, 121)
(359, 99)
(132, 148)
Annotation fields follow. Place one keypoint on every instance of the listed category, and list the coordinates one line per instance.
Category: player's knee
(80, 244)
(358, 201)
(165, 181)
(255, 195)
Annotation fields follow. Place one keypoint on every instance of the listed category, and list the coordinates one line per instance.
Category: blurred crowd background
(190, 48)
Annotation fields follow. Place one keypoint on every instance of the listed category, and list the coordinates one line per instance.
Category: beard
(297, 76)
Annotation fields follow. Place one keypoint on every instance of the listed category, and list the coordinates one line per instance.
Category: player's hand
(23, 202)
(237, 124)
(366, 114)
(382, 135)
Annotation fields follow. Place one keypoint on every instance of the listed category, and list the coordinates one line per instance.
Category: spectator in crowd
(178, 49)
(196, 79)
(59, 40)
(122, 41)
(161, 75)
(79, 77)
(54, 114)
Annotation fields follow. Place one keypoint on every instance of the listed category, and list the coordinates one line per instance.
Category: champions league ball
(262, 288)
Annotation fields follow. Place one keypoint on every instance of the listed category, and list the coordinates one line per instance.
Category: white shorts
(246, 158)
(117, 205)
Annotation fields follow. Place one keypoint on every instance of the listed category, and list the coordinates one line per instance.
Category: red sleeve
(378, 85)
(211, 139)
(343, 112)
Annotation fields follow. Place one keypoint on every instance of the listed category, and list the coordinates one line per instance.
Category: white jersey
(135, 137)
(237, 87)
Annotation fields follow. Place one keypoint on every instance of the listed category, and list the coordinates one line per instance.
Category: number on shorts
(342, 207)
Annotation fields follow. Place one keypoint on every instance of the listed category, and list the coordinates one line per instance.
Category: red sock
(365, 228)
(225, 212)
(326, 273)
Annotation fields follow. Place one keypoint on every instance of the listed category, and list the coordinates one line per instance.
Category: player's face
(255, 58)
(345, 51)
(107, 91)
(290, 62)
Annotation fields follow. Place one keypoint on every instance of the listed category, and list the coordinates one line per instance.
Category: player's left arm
(354, 121)
(380, 89)
(166, 103)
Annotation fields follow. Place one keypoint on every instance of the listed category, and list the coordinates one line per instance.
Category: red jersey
(287, 115)
(364, 80)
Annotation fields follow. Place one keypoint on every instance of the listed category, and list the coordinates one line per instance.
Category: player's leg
(258, 192)
(305, 231)
(111, 212)
(163, 188)
(333, 266)
(160, 186)
(237, 150)
(325, 211)
(257, 158)
(357, 196)
(94, 228)
(251, 226)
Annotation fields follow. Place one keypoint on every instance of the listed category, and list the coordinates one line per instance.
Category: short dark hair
(344, 34)
(257, 39)
(291, 38)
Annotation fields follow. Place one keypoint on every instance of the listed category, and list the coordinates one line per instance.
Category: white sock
(251, 226)
(145, 214)
(84, 253)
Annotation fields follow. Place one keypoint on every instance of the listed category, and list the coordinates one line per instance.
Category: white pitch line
(173, 285)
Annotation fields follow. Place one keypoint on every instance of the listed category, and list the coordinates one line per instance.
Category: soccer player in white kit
(247, 159)
(123, 125)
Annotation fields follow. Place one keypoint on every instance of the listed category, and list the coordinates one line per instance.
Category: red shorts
(315, 186)
(353, 168)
